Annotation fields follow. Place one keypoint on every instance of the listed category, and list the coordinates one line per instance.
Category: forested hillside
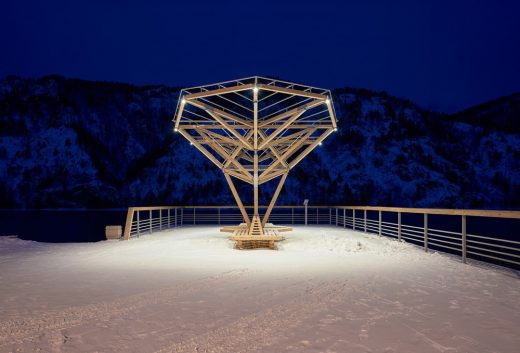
(74, 143)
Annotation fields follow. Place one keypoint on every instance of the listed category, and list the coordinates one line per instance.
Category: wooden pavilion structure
(255, 129)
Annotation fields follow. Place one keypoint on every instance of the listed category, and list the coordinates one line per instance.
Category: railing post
(354, 219)
(150, 220)
(305, 214)
(318, 216)
(194, 214)
(336, 216)
(129, 223)
(160, 219)
(182, 216)
(344, 218)
(169, 219)
(138, 226)
(380, 220)
(399, 226)
(330, 215)
(426, 232)
(464, 240)
(219, 216)
(292, 214)
(365, 224)
(175, 217)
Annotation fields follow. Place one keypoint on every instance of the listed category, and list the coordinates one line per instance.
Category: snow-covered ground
(326, 290)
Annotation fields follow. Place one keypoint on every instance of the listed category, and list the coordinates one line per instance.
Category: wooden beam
(216, 126)
(301, 125)
(255, 119)
(225, 139)
(310, 148)
(331, 113)
(128, 224)
(226, 115)
(440, 211)
(287, 154)
(200, 148)
(179, 113)
(292, 136)
(266, 157)
(272, 175)
(273, 200)
(251, 166)
(276, 118)
(272, 148)
(282, 127)
(217, 148)
(248, 179)
(246, 156)
(237, 198)
(255, 183)
(290, 112)
(218, 91)
(245, 143)
(291, 91)
(238, 149)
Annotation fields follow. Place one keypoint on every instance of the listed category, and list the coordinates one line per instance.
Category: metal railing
(503, 249)
(448, 233)
(146, 220)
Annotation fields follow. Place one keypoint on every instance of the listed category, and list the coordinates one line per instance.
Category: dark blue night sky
(445, 55)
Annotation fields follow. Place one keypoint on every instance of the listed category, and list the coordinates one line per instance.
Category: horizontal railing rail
(501, 249)
(428, 233)
(145, 220)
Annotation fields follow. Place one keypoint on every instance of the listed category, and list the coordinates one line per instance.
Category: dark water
(59, 226)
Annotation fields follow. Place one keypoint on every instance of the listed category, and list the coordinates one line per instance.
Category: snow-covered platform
(326, 290)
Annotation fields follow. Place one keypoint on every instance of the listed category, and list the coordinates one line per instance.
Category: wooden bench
(244, 240)
(256, 242)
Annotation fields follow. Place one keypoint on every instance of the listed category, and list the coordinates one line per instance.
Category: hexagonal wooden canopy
(255, 129)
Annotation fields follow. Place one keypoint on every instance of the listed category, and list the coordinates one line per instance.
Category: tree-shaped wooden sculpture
(255, 129)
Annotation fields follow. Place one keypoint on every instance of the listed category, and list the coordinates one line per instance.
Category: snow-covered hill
(75, 143)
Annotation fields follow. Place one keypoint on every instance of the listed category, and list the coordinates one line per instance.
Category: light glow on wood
(255, 129)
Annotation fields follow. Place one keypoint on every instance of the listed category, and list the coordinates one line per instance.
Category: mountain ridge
(77, 143)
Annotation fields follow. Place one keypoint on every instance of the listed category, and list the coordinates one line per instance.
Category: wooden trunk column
(255, 184)
(255, 146)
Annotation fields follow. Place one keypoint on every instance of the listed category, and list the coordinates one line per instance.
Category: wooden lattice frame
(255, 129)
